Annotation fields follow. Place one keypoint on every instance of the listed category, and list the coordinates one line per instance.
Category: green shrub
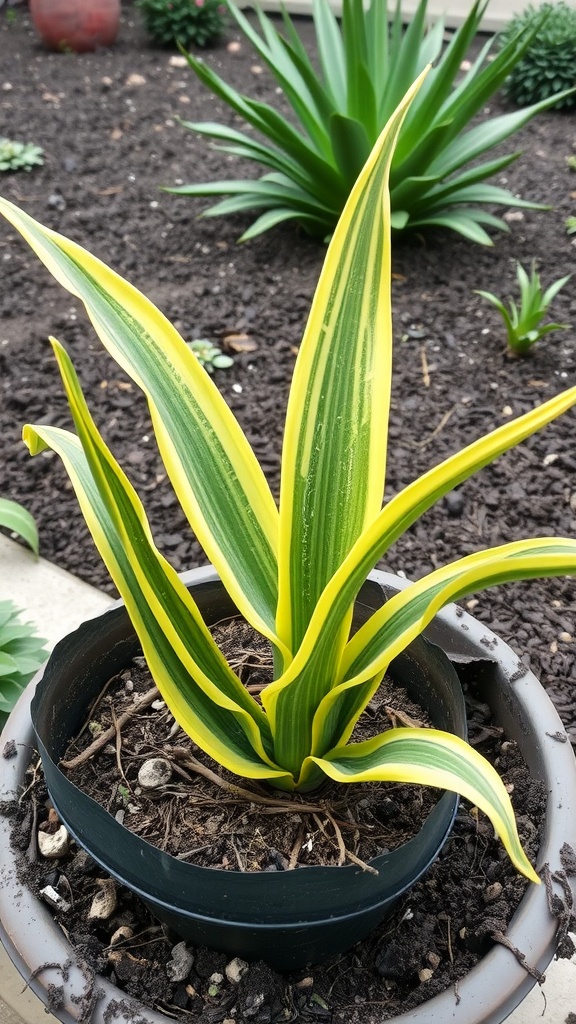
(549, 64)
(439, 168)
(189, 22)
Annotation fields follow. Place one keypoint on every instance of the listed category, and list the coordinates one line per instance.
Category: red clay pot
(79, 25)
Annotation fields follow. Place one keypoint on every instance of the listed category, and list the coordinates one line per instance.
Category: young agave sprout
(293, 570)
(524, 323)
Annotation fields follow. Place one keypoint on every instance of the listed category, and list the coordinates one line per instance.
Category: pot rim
(32, 937)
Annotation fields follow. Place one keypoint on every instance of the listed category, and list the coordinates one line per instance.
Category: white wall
(497, 15)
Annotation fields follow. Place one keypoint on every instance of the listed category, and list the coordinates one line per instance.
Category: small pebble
(305, 983)
(124, 932)
(54, 899)
(105, 901)
(493, 892)
(56, 202)
(235, 970)
(54, 845)
(154, 773)
(425, 974)
(179, 967)
(454, 504)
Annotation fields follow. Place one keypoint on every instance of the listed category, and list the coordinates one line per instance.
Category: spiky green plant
(17, 519)
(549, 64)
(439, 170)
(523, 322)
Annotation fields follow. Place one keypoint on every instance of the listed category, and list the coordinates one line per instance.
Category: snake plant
(293, 569)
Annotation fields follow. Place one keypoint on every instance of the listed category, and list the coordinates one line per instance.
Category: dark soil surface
(438, 931)
(201, 817)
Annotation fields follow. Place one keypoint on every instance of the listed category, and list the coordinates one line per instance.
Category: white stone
(105, 901)
(54, 845)
(235, 970)
(154, 773)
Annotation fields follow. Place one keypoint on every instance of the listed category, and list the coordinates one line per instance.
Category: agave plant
(293, 571)
(523, 324)
(439, 170)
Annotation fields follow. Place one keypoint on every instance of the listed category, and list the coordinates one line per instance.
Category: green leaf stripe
(431, 757)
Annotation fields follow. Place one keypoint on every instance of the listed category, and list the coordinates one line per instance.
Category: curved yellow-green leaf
(204, 695)
(430, 757)
(212, 468)
(334, 455)
(405, 615)
(318, 654)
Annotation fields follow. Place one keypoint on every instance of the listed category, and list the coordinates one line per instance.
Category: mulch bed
(108, 124)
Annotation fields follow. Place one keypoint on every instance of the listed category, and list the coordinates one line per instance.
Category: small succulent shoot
(292, 569)
(523, 323)
(571, 161)
(209, 356)
(570, 224)
(19, 156)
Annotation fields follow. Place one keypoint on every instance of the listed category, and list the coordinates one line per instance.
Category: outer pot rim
(32, 938)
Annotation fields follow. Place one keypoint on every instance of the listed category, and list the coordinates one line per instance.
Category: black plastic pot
(288, 918)
(487, 995)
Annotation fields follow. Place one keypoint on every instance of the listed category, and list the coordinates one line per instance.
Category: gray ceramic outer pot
(489, 993)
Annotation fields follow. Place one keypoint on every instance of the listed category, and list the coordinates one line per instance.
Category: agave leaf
(334, 453)
(294, 73)
(406, 615)
(330, 52)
